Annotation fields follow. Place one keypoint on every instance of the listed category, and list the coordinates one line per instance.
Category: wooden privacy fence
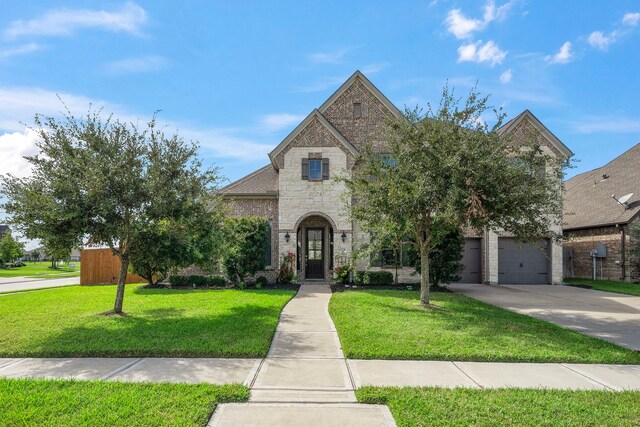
(100, 267)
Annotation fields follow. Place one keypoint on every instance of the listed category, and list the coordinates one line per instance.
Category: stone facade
(616, 266)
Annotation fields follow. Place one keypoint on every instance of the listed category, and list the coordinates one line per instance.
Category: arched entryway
(315, 247)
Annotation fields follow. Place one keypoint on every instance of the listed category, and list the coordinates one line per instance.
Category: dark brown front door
(315, 257)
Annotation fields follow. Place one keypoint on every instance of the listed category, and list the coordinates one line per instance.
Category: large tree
(449, 164)
(105, 180)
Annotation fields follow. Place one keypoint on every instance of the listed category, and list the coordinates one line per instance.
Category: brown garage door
(523, 263)
(471, 267)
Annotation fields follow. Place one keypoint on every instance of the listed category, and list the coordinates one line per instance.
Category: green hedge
(381, 278)
(195, 280)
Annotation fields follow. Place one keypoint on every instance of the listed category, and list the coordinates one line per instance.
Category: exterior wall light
(344, 237)
(287, 237)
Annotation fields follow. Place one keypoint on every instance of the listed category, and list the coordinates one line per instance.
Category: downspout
(623, 249)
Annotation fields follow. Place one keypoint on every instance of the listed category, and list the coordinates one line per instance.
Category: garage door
(523, 263)
(471, 267)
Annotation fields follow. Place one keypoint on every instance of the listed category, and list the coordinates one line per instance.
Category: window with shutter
(325, 169)
(305, 169)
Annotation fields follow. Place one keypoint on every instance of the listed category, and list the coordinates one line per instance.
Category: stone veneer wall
(580, 243)
(300, 198)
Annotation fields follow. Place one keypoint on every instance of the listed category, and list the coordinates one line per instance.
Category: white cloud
(506, 76)
(279, 121)
(21, 104)
(462, 27)
(631, 18)
(13, 147)
(64, 22)
(322, 84)
(601, 41)
(328, 57)
(563, 56)
(138, 65)
(20, 50)
(374, 68)
(607, 124)
(477, 52)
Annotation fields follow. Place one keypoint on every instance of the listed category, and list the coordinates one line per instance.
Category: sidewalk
(10, 284)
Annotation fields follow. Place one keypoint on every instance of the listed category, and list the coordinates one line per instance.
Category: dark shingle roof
(588, 201)
(264, 181)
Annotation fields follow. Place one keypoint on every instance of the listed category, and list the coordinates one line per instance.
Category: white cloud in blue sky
(138, 65)
(64, 22)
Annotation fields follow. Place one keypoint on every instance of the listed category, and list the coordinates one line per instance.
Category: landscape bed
(67, 322)
(414, 406)
(103, 403)
(387, 324)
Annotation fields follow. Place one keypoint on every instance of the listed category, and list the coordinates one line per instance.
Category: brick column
(490, 258)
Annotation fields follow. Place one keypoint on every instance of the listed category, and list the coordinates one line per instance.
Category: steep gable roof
(315, 114)
(263, 182)
(588, 201)
(528, 115)
(370, 86)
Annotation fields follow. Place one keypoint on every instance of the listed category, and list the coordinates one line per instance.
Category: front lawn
(608, 286)
(94, 403)
(381, 324)
(42, 270)
(500, 407)
(66, 322)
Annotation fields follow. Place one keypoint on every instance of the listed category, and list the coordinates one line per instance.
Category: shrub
(286, 271)
(261, 282)
(196, 281)
(342, 273)
(246, 248)
(379, 278)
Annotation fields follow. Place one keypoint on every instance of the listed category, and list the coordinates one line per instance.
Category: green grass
(608, 286)
(505, 407)
(381, 324)
(66, 322)
(41, 270)
(94, 403)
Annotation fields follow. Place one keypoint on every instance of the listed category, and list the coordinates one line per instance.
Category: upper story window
(357, 109)
(314, 169)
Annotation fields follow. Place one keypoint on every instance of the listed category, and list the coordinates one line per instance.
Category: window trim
(319, 169)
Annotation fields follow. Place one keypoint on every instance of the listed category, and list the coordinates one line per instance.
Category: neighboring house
(593, 217)
(297, 194)
(4, 229)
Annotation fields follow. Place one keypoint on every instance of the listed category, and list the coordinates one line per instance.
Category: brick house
(593, 217)
(297, 195)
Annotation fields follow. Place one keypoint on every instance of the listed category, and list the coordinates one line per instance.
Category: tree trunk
(424, 275)
(124, 266)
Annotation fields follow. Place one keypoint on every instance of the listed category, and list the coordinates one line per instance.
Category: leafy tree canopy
(10, 249)
(450, 164)
(109, 181)
(245, 251)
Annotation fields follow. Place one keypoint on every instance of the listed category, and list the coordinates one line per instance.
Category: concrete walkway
(11, 284)
(305, 379)
(605, 315)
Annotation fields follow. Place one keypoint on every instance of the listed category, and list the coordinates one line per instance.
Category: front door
(315, 254)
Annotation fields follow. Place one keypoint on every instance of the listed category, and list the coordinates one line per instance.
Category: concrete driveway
(12, 284)
(609, 316)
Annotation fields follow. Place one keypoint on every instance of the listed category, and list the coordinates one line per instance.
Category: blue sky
(239, 75)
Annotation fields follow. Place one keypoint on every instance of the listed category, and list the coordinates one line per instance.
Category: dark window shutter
(325, 169)
(305, 169)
